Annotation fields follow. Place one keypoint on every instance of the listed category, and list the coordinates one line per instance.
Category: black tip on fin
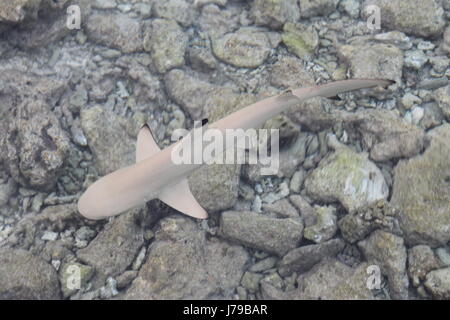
(204, 121)
(145, 125)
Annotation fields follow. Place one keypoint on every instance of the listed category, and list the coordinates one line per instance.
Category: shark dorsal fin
(180, 197)
(145, 145)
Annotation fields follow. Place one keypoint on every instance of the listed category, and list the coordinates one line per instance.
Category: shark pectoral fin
(146, 145)
(180, 197)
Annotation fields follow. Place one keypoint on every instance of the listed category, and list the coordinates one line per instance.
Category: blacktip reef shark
(155, 175)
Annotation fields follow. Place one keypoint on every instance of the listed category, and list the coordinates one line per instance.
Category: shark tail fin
(178, 196)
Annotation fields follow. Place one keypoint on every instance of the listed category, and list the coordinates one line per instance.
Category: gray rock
(304, 258)
(201, 59)
(347, 177)
(264, 264)
(388, 252)
(438, 283)
(423, 18)
(444, 256)
(192, 94)
(276, 236)
(421, 260)
(104, 4)
(216, 186)
(35, 147)
(282, 208)
(115, 30)
(126, 278)
(325, 227)
(421, 192)
(115, 247)
(176, 10)
(300, 40)
(183, 264)
(377, 61)
(166, 42)
(333, 280)
(289, 72)
(297, 180)
(306, 210)
(26, 277)
(216, 21)
(351, 7)
(415, 59)
(250, 281)
(357, 225)
(312, 8)
(385, 135)
(396, 38)
(108, 139)
(446, 41)
(245, 48)
(274, 14)
(7, 190)
(17, 11)
(442, 97)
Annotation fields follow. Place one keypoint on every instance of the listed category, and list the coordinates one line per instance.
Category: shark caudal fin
(178, 196)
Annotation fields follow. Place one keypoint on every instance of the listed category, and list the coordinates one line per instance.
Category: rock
(216, 186)
(288, 72)
(264, 264)
(351, 7)
(216, 21)
(167, 44)
(26, 277)
(396, 38)
(333, 280)
(347, 177)
(444, 256)
(272, 235)
(192, 94)
(357, 225)
(250, 281)
(300, 40)
(7, 190)
(115, 30)
(312, 8)
(245, 48)
(201, 59)
(442, 97)
(175, 10)
(274, 13)
(415, 59)
(374, 61)
(183, 264)
(446, 41)
(422, 194)
(423, 18)
(389, 253)
(421, 260)
(104, 4)
(115, 247)
(385, 135)
(282, 208)
(304, 258)
(432, 116)
(17, 11)
(68, 277)
(325, 227)
(438, 283)
(108, 139)
(35, 147)
(126, 278)
(297, 180)
(409, 100)
(307, 212)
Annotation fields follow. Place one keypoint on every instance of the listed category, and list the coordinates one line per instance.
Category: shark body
(154, 175)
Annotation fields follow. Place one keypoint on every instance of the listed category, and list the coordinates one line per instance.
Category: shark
(155, 176)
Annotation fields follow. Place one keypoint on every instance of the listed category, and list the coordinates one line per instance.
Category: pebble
(49, 236)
